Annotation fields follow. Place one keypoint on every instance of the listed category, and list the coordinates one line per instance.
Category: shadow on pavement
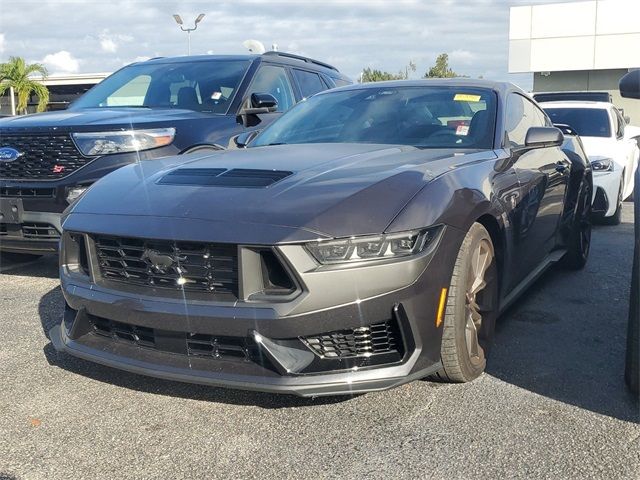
(565, 338)
(43, 267)
(50, 310)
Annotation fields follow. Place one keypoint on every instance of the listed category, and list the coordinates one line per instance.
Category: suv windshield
(203, 86)
(587, 122)
(425, 117)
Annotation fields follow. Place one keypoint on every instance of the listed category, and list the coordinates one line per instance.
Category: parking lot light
(180, 23)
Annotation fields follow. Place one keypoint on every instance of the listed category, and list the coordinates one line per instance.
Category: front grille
(201, 345)
(42, 231)
(27, 192)
(47, 157)
(182, 266)
(357, 342)
(3, 230)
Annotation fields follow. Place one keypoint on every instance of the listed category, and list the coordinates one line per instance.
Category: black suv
(161, 107)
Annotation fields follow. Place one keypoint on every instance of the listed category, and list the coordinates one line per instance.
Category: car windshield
(587, 122)
(202, 86)
(425, 117)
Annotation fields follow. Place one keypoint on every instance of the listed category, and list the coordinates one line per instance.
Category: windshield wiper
(276, 143)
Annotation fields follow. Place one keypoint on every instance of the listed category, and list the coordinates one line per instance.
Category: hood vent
(219, 177)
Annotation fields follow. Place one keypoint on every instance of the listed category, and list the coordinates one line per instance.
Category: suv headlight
(104, 143)
(601, 164)
(377, 247)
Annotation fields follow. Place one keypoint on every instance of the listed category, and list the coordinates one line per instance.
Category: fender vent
(218, 177)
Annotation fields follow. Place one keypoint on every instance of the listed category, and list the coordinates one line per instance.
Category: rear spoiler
(568, 96)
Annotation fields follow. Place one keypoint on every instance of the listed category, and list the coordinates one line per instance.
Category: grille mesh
(198, 267)
(357, 342)
(43, 156)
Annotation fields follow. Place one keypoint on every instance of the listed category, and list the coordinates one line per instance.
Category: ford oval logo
(8, 154)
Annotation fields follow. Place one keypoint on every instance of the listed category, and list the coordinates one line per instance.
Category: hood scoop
(221, 177)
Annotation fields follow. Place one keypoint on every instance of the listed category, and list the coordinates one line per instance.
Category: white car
(611, 147)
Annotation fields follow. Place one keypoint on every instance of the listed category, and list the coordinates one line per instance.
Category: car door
(309, 83)
(272, 79)
(543, 176)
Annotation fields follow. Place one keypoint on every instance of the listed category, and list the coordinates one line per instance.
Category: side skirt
(552, 258)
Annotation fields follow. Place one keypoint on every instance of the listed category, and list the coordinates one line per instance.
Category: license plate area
(11, 210)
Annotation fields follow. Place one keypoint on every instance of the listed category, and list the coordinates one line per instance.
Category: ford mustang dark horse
(367, 238)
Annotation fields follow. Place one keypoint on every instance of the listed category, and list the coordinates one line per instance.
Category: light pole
(178, 20)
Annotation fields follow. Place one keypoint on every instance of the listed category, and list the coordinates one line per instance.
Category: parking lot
(551, 405)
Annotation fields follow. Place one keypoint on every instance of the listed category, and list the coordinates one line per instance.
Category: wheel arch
(496, 233)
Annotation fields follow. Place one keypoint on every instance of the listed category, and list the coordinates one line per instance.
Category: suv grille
(27, 192)
(357, 342)
(43, 156)
(182, 266)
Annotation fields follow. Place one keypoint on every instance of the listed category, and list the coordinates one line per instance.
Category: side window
(309, 82)
(274, 80)
(521, 114)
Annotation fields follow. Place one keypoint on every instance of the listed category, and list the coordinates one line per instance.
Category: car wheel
(471, 309)
(579, 241)
(616, 218)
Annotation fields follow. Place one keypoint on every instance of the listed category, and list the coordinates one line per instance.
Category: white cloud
(108, 45)
(61, 62)
(111, 42)
(461, 56)
(1, 42)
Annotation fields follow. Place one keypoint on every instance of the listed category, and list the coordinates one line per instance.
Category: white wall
(589, 35)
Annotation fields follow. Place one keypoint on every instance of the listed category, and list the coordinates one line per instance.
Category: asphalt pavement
(552, 404)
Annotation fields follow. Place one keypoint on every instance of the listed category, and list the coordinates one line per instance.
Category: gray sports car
(368, 238)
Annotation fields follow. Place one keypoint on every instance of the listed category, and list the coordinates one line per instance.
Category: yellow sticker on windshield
(466, 97)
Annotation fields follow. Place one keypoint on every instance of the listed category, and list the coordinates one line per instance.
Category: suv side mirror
(540, 137)
(630, 85)
(254, 105)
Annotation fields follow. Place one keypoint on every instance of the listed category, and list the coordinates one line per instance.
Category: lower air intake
(357, 342)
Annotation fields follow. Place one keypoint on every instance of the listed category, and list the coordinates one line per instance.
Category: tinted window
(587, 122)
(426, 117)
(200, 86)
(521, 114)
(309, 82)
(274, 80)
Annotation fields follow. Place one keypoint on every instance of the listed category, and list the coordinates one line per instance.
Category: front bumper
(606, 186)
(152, 335)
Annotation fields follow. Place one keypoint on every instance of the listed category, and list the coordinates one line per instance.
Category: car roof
(575, 104)
(503, 87)
(279, 57)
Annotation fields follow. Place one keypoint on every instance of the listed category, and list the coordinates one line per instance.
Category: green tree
(374, 75)
(441, 68)
(16, 74)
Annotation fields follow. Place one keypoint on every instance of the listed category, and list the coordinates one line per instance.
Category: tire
(616, 218)
(471, 309)
(579, 241)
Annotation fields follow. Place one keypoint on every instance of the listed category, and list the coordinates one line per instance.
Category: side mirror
(254, 105)
(627, 119)
(630, 85)
(242, 140)
(540, 137)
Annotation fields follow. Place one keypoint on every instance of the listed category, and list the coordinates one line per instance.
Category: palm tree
(15, 77)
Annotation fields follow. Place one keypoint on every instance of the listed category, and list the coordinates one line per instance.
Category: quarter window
(274, 80)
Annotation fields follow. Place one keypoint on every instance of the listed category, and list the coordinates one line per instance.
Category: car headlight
(601, 164)
(375, 247)
(104, 143)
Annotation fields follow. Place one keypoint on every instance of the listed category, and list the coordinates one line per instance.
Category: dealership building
(584, 45)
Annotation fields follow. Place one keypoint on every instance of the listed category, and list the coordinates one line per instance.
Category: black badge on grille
(160, 262)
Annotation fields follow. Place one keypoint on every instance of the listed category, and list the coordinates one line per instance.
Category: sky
(70, 36)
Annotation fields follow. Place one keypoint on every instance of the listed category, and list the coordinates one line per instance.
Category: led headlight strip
(105, 143)
(375, 247)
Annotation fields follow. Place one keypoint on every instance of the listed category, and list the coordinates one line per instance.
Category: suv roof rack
(299, 57)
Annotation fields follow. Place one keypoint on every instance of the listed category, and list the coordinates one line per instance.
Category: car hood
(599, 146)
(91, 118)
(333, 190)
